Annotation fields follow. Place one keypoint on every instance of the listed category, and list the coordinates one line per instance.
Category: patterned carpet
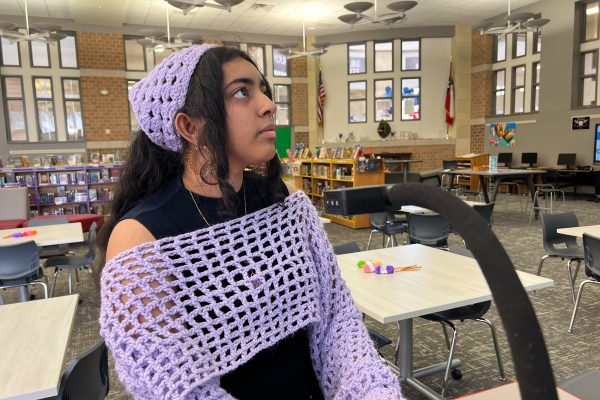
(570, 353)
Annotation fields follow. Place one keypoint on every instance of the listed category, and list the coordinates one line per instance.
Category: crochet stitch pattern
(179, 312)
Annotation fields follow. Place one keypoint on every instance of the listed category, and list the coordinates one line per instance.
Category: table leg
(483, 185)
(23, 293)
(497, 183)
(405, 173)
(535, 204)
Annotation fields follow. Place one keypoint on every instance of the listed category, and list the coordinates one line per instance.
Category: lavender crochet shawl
(180, 312)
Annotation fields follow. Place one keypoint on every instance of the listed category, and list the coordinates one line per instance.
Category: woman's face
(251, 136)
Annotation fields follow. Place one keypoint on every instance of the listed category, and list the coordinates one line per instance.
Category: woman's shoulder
(127, 234)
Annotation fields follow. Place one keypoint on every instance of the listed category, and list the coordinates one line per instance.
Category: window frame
(363, 99)
(495, 91)
(281, 52)
(348, 45)
(2, 64)
(496, 59)
(583, 77)
(134, 38)
(5, 100)
(78, 100)
(35, 103)
(30, 48)
(535, 85)
(132, 116)
(515, 38)
(289, 103)
(262, 68)
(375, 70)
(60, 55)
(537, 37)
(375, 98)
(584, 23)
(402, 97)
(418, 40)
(514, 88)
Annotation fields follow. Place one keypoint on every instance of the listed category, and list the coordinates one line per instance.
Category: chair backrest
(428, 229)
(90, 242)
(19, 260)
(591, 251)
(552, 222)
(15, 203)
(86, 377)
(485, 210)
(345, 248)
(449, 164)
(55, 220)
(379, 220)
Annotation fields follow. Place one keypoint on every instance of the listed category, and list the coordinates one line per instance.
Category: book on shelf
(60, 191)
(93, 194)
(94, 176)
(63, 179)
(80, 177)
(105, 175)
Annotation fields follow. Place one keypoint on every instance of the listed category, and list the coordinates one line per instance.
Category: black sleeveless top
(283, 371)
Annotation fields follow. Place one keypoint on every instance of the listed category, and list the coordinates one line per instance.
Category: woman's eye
(241, 93)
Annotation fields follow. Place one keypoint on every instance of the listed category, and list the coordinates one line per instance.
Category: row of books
(74, 209)
(101, 194)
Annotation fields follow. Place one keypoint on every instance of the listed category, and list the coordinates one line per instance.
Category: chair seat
(18, 279)
(472, 311)
(67, 262)
(568, 252)
(394, 228)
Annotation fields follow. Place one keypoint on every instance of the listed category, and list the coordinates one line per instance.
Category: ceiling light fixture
(359, 8)
(154, 38)
(188, 5)
(45, 33)
(515, 23)
(319, 47)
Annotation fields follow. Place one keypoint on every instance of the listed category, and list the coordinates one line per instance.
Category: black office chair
(86, 377)
(52, 250)
(428, 229)
(73, 263)
(486, 211)
(20, 267)
(561, 246)
(473, 312)
(591, 251)
(381, 222)
(378, 339)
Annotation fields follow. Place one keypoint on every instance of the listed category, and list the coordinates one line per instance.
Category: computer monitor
(529, 158)
(505, 158)
(597, 145)
(566, 159)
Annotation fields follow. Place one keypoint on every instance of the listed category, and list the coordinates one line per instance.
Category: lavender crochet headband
(157, 98)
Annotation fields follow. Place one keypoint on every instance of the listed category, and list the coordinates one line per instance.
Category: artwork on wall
(578, 123)
(503, 134)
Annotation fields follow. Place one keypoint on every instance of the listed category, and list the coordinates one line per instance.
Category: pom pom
(360, 263)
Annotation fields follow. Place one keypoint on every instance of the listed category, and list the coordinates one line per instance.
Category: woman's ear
(188, 128)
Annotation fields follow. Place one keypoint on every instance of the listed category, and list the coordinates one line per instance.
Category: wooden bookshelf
(474, 161)
(318, 175)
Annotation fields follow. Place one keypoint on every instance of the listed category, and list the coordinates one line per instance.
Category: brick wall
(105, 112)
(481, 87)
(481, 47)
(481, 94)
(99, 50)
(301, 137)
(477, 139)
(299, 88)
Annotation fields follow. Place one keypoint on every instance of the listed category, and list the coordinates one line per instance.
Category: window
(133, 124)
(257, 52)
(357, 101)
(161, 55)
(135, 59)
(411, 55)
(518, 89)
(14, 108)
(67, 50)
(537, 42)
(591, 21)
(589, 74)
(44, 107)
(10, 53)
(499, 48)
(72, 106)
(411, 98)
(280, 64)
(281, 97)
(519, 44)
(384, 56)
(499, 87)
(357, 61)
(535, 90)
(384, 99)
(40, 57)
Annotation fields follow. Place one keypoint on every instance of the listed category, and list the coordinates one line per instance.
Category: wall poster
(503, 134)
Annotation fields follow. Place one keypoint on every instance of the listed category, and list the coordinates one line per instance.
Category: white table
(446, 280)
(510, 391)
(578, 231)
(34, 337)
(47, 235)
(410, 209)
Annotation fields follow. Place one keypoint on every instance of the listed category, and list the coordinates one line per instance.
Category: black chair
(473, 312)
(20, 267)
(447, 181)
(86, 377)
(381, 222)
(591, 251)
(73, 263)
(486, 211)
(561, 246)
(428, 229)
(378, 339)
(53, 250)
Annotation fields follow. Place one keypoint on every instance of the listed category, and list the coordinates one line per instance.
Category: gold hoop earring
(209, 167)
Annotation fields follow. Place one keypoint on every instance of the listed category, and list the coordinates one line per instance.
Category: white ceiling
(284, 17)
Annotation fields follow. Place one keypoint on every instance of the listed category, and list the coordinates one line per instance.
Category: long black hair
(149, 167)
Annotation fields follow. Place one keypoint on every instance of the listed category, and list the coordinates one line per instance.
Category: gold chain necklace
(200, 211)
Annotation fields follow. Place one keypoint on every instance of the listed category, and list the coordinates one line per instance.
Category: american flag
(320, 100)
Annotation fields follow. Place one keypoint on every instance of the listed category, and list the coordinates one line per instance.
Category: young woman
(219, 280)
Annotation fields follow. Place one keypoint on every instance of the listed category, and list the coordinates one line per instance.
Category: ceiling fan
(515, 23)
(155, 38)
(359, 8)
(45, 33)
(188, 5)
(319, 47)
